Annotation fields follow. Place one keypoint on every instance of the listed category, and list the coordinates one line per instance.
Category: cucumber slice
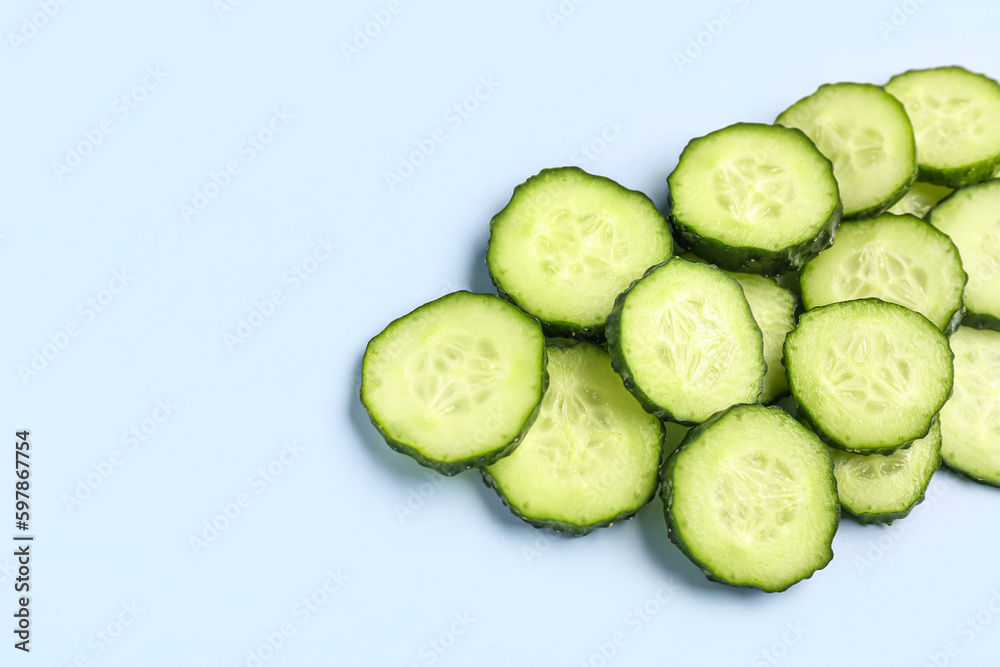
(457, 382)
(920, 199)
(867, 135)
(591, 457)
(685, 342)
(568, 243)
(897, 258)
(970, 217)
(956, 120)
(970, 420)
(880, 489)
(754, 198)
(773, 308)
(750, 497)
(868, 375)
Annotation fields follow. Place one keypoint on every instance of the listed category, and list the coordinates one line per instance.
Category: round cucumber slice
(750, 497)
(956, 120)
(867, 135)
(870, 376)
(970, 218)
(880, 489)
(754, 198)
(773, 308)
(568, 243)
(920, 199)
(457, 382)
(897, 258)
(685, 342)
(591, 457)
(970, 420)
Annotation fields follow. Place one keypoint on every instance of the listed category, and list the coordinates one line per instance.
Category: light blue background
(890, 596)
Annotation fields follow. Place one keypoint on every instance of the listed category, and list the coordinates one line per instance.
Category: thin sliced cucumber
(870, 376)
(897, 258)
(920, 199)
(590, 458)
(750, 497)
(956, 120)
(754, 198)
(880, 489)
(867, 135)
(970, 420)
(970, 217)
(685, 342)
(773, 308)
(568, 243)
(457, 382)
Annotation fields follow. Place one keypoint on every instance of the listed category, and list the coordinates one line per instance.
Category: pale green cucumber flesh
(592, 455)
(568, 243)
(456, 382)
(867, 135)
(956, 121)
(868, 375)
(875, 488)
(971, 217)
(970, 420)
(686, 343)
(920, 199)
(900, 259)
(773, 308)
(754, 198)
(750, 497)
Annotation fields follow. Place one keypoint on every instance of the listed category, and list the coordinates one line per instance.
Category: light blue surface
(459, 570)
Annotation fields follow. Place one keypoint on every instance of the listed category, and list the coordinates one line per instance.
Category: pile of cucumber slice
(847, 255)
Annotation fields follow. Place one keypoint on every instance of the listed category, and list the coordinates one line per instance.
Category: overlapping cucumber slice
(754, 198)
(591, 457)
(686, 343)
(457, 382)
(970, 420)
(956, 121)
(870, 376)
(773, 308)
(568, 243)
(971, 217)
(750, 497)
(881, 489)
(897, 258)
(867, 135)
